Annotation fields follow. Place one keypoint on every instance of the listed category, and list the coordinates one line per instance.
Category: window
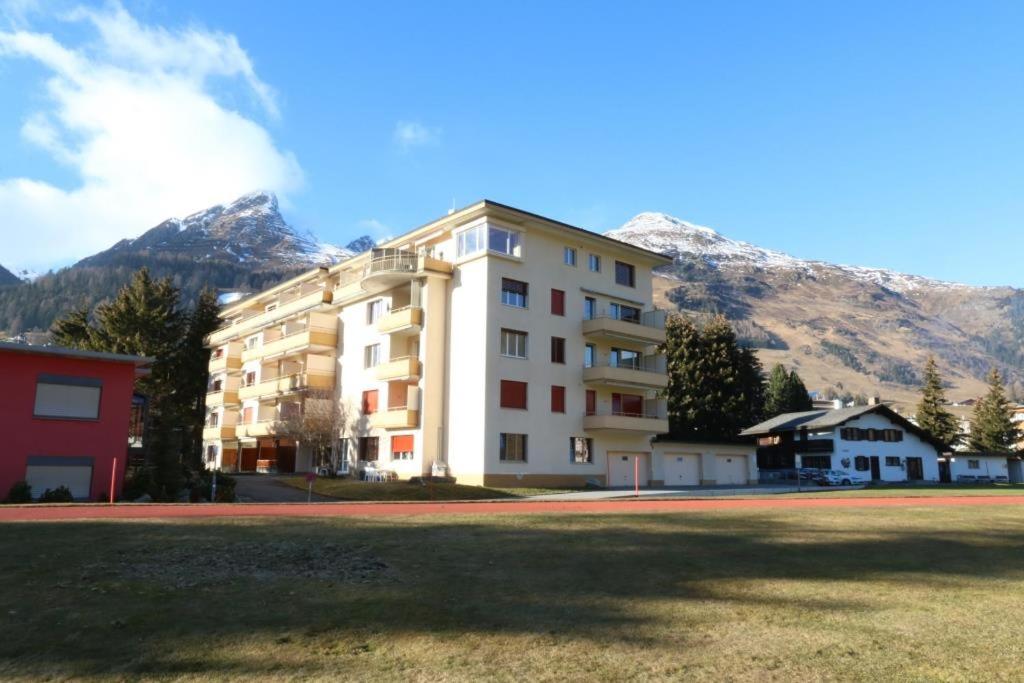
(401, 447)
(252, 342)
(974, 464)
(218, 352)
(374, 310)
(591, 402)
(581, 450)
(217, 384)
(368, 448)
(557, 350)
(589, 308)
(483, 237)
(631, 405)
(589, 355)
(818, 462)
(557, 302)
(514, 293)
(861, 463)
(625, 358)
(513, 343)
(369, 402)
(594, 263)
(513, 394)
(891, 461)
(892, 435)
(249, 379)
(371, 356)
(211, 454)
(270, 307)
(73, 398)
(248, 415)
(290, 411)
(512, 447)
(569, 256)
(625, 274)
(557, 399)
(630, 314)
(213, 420)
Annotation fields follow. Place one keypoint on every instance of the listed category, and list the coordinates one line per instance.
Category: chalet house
(871, 443)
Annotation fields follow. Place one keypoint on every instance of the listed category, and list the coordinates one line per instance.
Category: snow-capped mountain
(249, 230)
(7, 277)
(669, 235)
(845, 328)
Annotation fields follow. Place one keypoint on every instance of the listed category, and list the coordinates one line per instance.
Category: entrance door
(621, 468)
(944, 474)
(249, 457)
(682, 469)
(915, 469)
(876, 469)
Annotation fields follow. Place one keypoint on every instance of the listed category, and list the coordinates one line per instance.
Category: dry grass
(864, 594)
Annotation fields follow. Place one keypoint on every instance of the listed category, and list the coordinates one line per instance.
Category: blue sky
(861, 133)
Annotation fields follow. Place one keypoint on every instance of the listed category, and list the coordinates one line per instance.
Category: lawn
(353, 489)
(852, 594)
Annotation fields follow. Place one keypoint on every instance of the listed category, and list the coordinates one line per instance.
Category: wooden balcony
(407, 320)
(218, 433)
(405, 368)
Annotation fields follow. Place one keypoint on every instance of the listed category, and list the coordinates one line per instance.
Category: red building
(65, 416)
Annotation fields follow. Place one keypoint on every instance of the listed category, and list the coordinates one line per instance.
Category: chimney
(875, 400)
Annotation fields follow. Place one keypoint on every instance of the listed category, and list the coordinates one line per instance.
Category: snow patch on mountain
(668, 235)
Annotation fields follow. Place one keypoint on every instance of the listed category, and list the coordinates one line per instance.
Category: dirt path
(19, 513)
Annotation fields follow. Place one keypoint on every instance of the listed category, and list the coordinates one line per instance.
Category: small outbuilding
(969, 467)
(680, 463)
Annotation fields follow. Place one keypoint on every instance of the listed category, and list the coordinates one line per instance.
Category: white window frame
(594, 263)
(503, 447)
(371, 356)
(569, 256)
(519, 348)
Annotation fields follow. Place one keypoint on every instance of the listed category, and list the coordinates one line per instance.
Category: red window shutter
(370, 402)
(591, 401)
(557, 399)
(557, 302)
(401, 444)
(627, 404)
(513, 394)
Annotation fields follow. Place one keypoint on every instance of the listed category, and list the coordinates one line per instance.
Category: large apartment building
(494, 345)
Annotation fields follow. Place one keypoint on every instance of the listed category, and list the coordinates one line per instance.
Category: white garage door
(732, 469)
(682, 469)
(621, 469)
(51, 473)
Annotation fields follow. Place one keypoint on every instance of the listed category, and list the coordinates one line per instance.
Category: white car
(834, 478)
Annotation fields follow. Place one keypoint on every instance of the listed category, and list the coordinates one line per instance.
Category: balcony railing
(644, 372)
(647, 327)
(391, 261)
(654, 319)
(401, 319)
(395, 417)
(647, 420)
(404, 367)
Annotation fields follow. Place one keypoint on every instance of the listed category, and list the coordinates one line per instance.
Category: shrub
(20, 492)
(137, 483)
(61, 494)
(202, 487)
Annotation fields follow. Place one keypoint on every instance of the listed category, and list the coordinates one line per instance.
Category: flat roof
(64, 352)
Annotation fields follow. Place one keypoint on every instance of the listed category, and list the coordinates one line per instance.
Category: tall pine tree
(992, 427)
(932, 415)
(786, 393)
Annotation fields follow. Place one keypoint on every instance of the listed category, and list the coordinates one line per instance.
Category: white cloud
(410, 134)
(374, 228)
(134, 115)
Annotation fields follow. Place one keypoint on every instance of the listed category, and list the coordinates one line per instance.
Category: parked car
(834, 478)
(809, 473)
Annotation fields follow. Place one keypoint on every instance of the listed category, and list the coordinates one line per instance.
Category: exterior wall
(911, 446)
(988, 466)
(25, 435)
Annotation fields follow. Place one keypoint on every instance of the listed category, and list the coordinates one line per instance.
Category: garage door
(53, 472)
(682, 469)
(621, 469)
(732, 469)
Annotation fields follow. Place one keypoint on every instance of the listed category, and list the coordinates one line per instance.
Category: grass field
(352, 489)
(851, 594)
(924, 491)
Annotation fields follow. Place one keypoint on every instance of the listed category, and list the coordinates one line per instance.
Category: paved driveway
(268, 488)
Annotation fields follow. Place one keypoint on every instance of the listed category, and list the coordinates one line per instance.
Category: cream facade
(493, 345)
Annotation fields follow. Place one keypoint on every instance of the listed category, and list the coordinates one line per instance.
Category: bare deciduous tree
(319, 421)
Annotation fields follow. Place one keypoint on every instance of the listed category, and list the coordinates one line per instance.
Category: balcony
(287, 306)
(395, 418)
(406, 320)
(635, 423)
(229, 360)
(814, 446)
(222, 397)
(388, 268)
(646, 374)
(218, 433)
(649, 328)
(405, 368)
(255, 429)
(312, 341)
(286, 384)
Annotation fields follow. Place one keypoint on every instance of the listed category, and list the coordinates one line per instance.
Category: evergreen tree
(146, 318)
(992, 427)
(786, 393)
(715, 388)
(931, 415)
